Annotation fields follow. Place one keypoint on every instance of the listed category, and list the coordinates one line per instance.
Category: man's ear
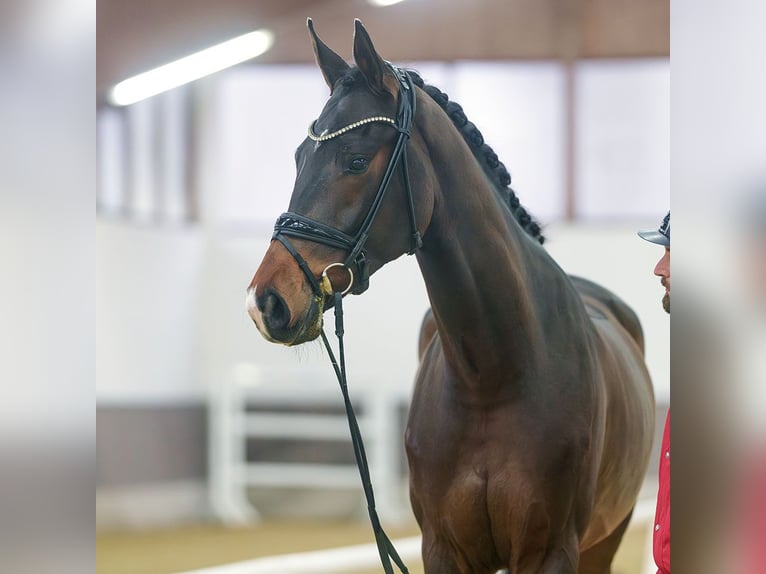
(331, 64)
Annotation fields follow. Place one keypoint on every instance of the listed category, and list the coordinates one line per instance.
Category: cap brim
(654, 236)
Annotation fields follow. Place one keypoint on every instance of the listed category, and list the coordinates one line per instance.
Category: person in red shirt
(661, 236)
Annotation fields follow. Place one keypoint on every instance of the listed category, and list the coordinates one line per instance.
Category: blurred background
(215, 446)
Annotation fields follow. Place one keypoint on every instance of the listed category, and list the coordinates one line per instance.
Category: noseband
(295, 225)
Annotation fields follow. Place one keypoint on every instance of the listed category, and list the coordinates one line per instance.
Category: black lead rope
(386, 548)
(302, 227)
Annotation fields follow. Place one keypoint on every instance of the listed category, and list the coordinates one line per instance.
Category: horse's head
(340, 227)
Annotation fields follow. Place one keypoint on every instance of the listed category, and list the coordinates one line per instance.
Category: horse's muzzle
(273, 318)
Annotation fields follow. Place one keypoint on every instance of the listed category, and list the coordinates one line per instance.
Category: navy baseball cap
(659, 236)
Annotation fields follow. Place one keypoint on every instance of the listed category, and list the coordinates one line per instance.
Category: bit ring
(327, 284)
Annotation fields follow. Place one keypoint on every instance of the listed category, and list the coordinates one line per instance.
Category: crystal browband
(349, 127)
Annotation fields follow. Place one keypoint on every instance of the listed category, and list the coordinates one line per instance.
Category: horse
(532, 416)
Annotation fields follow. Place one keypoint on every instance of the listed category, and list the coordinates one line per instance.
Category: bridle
(299, 226)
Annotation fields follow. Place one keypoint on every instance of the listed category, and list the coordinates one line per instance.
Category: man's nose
(662, 269)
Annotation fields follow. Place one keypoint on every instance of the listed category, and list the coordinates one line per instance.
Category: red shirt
(662, 515)
(751, 515)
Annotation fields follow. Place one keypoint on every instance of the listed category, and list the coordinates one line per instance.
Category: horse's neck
(483, 277)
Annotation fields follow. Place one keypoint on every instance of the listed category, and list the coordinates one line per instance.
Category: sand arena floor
(172, 550)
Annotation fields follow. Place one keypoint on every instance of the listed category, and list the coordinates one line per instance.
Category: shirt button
(656, 527)
(667, 454)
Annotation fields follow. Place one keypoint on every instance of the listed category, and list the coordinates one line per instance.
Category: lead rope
(295, 225)
(386, 548)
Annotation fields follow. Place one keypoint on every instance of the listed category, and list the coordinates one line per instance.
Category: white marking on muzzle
(255, 314)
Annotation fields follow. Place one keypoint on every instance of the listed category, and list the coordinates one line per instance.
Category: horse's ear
(331, 64)
(372, 66)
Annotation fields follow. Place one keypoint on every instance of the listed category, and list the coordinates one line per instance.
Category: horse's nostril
(275, 313)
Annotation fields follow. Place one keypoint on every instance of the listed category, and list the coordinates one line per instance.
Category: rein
(296, 225)
(386, 549)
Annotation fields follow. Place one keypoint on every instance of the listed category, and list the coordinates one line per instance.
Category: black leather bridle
(299, 226)
(302, 227)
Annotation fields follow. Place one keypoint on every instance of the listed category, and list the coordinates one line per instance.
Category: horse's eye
(358, 165)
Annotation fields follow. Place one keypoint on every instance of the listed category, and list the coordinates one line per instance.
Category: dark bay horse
(532, 416)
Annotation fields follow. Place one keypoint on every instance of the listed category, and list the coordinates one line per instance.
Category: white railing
(231, 474)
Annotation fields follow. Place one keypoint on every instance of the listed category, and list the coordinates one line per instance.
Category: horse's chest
(454, 465)
(461, 494)
(478, 474)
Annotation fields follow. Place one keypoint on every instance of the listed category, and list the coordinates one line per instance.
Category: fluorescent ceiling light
(190, 68)
(384, 2)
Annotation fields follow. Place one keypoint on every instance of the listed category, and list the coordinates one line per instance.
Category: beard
(666, 303)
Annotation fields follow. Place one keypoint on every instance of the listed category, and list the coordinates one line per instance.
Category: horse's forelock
(348, 78)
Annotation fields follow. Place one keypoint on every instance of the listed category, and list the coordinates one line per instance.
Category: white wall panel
(143, 134)
(260, 116)
(622, 146)
(173, 191)
(111, 161)
(148, 311)
(519, 108)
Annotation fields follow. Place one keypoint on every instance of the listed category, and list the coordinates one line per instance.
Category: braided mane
(484, 154)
